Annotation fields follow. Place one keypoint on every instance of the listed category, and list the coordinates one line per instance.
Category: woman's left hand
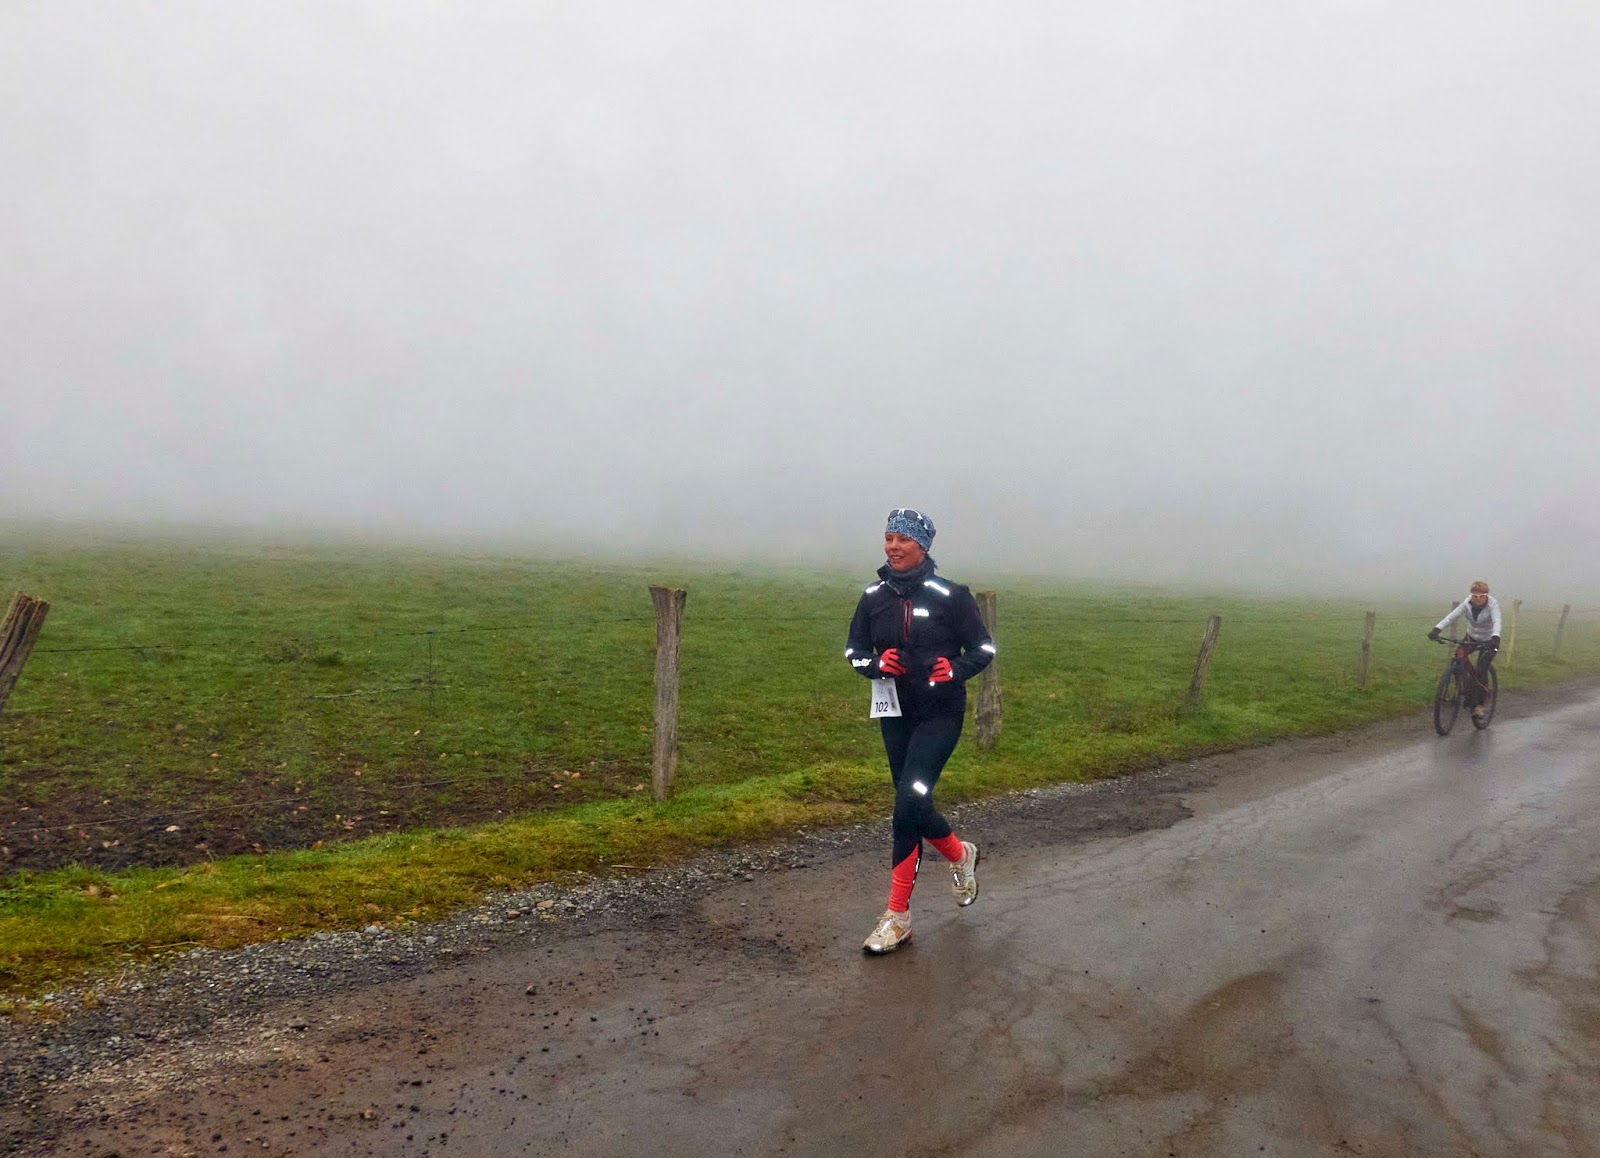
(940, 672)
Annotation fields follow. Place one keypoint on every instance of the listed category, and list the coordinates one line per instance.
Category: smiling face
(902, 551)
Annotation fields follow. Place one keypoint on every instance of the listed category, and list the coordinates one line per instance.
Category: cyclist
(922, 637)
(1481, 613)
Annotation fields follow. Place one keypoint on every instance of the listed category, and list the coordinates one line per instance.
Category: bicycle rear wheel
(1447, 701)
(1491, 693)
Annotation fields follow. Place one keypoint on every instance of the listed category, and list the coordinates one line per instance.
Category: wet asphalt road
(1387, 949)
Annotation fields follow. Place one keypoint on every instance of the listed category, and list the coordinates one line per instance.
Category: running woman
(1480, 611)
(925, 635)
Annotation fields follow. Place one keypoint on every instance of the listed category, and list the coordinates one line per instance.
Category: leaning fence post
(668, 603)
(1366, 649)
(23, 621)
(1561, 626)
(1511, 635)
(987, 711)
(1203, 661)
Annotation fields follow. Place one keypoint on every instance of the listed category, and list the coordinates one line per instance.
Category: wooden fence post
(1366, 649)
(21, 628)
(668, 603)
(987, 711)
(1511, 635)
(1561, 627)
(430, 673)
(1203, 661)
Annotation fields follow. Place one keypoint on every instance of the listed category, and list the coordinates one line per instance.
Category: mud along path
(1381, 944)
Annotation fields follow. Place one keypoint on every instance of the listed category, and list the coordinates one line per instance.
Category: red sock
(902, 879)
(949, 847)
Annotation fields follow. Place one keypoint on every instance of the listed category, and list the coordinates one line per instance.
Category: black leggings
(1478, 689)
(917, 751)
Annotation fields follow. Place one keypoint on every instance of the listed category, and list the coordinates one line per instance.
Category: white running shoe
(892, 930)
(965, 874)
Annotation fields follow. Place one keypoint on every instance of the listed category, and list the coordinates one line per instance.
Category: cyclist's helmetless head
(1480, 592)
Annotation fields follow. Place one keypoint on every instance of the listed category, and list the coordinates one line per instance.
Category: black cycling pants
(917, 751)
(1478, 689)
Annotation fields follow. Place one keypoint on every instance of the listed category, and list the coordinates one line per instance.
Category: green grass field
(216, 743)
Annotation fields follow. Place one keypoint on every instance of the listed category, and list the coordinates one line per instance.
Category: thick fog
(1244, 291)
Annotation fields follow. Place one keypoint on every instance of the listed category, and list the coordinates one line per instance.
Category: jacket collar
(904, 582)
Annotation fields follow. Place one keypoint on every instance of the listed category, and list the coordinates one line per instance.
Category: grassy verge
(72, 921)
(281, 699)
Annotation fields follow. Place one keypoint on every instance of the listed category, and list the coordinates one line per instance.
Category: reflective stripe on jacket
(923, 620)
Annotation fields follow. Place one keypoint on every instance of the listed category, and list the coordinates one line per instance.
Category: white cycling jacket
(1480, 626)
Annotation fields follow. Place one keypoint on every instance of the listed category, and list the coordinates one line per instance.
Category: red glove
(889, 663)
(940, 673)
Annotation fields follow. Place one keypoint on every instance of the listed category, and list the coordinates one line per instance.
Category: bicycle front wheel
(1490, 694)
(1447, 701)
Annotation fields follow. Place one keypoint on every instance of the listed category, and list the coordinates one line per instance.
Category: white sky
(1254, 291)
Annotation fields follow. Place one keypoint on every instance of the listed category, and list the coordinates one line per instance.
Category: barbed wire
(279, 641)
(268, 643)
(1072, 626)
(117, 647)
(422, 686)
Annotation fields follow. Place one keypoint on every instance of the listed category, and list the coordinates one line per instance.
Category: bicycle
(1458, 677)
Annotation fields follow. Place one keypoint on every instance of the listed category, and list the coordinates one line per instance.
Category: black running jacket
(923, 616)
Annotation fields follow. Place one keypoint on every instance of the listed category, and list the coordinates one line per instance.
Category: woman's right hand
(889, 663)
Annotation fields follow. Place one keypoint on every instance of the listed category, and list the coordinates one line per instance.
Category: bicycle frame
(1462, 658)
(1460, 676)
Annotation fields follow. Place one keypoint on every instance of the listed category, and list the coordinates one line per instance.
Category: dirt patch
(49, 825)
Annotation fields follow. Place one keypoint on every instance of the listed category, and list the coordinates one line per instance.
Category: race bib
(885, 699)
